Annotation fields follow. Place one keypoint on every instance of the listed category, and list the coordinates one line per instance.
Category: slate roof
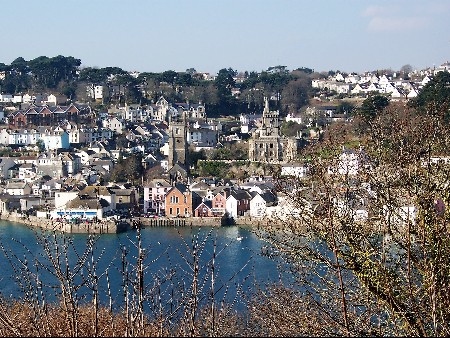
(88, 203)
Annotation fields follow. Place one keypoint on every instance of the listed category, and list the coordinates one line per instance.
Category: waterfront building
(180, 201)
(154, 195)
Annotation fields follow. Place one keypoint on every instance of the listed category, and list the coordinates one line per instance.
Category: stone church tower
(178, 143)
(266, 144)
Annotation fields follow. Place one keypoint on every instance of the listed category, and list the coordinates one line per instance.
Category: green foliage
(345, 108)
(41, 145)
(213, 168)
(194, 156)
(305, 70)
(63, 75)
(291, 128)
(435, 96)
(224, 83)
(231, 151)
(372, 106)
(49, 72)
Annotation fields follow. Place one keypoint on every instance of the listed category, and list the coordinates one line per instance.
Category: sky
(245, 35)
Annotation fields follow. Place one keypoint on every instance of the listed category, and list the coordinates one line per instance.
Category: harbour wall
(100, 227)
(111, 227)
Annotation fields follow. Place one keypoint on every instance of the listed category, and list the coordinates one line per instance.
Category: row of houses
(71, 198)
(27, 98)
(361, 84)
(89, 164)
(75, 200)
(203, 200)
(383, 85)
(63, 136)
(257, 198)
(45, 115)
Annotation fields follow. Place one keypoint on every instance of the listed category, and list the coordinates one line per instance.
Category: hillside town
(58, 157)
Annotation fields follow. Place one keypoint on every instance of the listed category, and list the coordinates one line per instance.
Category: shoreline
(114, 227)
(103, 227)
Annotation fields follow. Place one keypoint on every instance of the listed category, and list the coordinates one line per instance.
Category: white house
(6, 98)
(294, 169)
(62, 197)
(238, 203)
(54, 100)
(293, 118)
(18, 188)
(257, 206)
(115, 124)
(95, 92)
(27, 172)
(154, 195)
(260, 202)
(56, 140)
(400, 215)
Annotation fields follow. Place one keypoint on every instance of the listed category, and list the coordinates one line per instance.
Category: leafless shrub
(384, 273)
(176, 300)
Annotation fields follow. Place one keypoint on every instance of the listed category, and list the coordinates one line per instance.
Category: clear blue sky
(208, 35)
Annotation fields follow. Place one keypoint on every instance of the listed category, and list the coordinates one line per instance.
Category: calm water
(238, 270)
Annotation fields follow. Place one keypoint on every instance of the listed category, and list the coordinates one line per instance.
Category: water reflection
(238, 265)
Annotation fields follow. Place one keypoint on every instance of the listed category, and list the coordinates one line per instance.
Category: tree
(93, 76)
(194, 156)
(435, 96)
(49, 72)
(291, 128)
(191, 71)
(345, 108)
(295, 94)
(41, 145)
(372, 106)
(224, 83)
(370, 247)
(405, 71)
(169, 76)
(129, 169)
(20, 65)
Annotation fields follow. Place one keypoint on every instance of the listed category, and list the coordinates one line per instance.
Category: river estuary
(238, 269)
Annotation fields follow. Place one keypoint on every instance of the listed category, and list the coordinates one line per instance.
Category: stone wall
(103, 227)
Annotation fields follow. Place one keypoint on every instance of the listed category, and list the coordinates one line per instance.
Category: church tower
(266, 143)
(178, 142)
(270, 120)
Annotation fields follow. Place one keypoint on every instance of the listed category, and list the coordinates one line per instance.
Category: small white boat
(239, 238)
